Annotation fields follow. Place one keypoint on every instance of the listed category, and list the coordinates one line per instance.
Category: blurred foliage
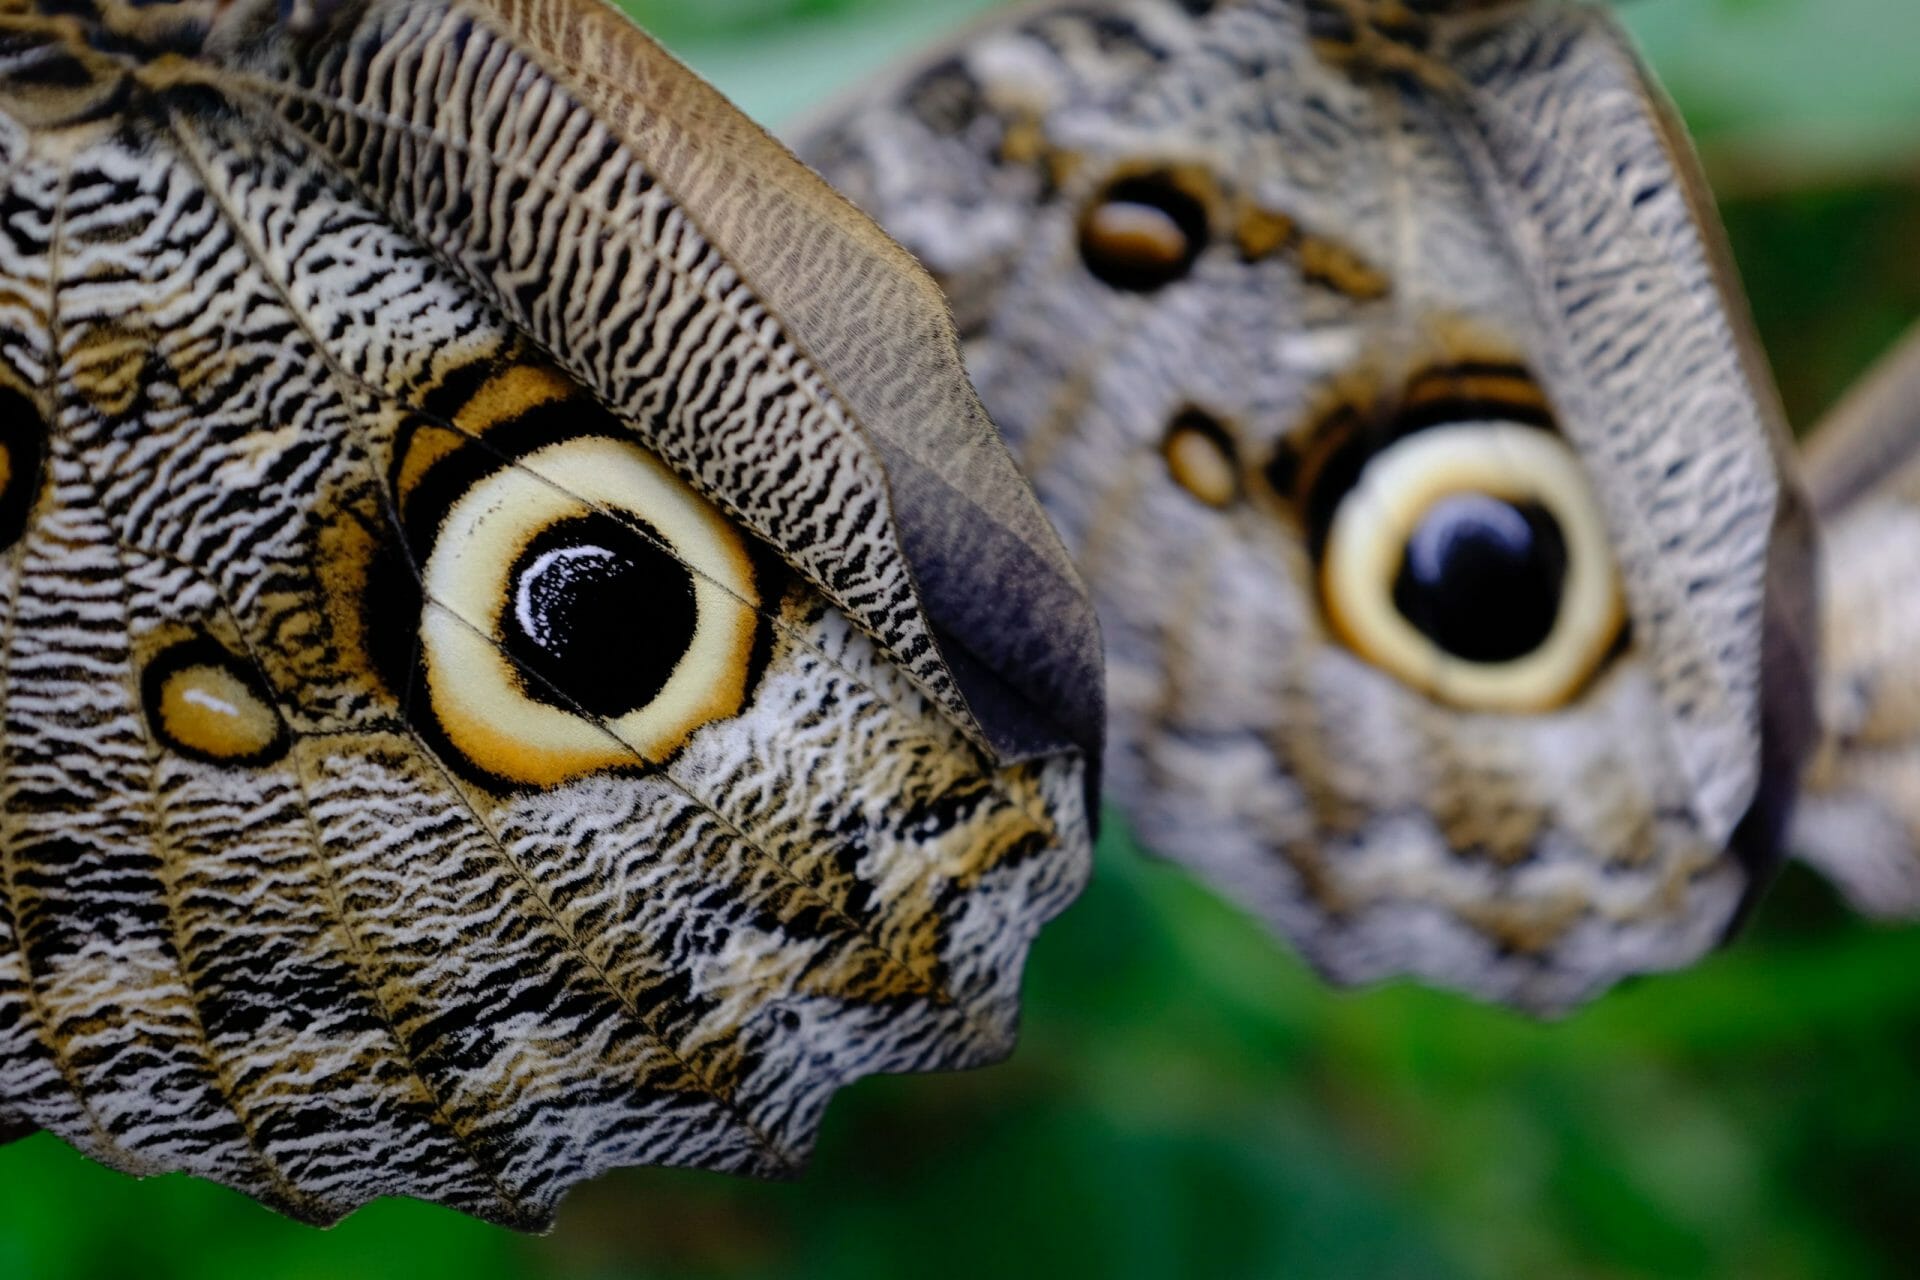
(1186, 1099)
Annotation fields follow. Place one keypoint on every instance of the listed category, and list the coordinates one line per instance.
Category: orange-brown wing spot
(1475, 389)
(1024, 144)
(1326, 261)
(487, 395)
(1301, 462)
(351, 545)
(1146, 230)
(511, 392)
(1262, 233)
(1502, 387)
(424, 445)
(1202, 458)
(206, 704)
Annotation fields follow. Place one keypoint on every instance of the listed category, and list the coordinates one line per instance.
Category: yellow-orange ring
(1366, 545)
(479, 696)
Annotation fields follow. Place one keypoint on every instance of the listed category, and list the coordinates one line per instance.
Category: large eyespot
(1472, 561)
(586, 610)
(1143, 232)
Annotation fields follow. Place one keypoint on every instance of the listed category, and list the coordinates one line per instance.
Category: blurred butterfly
(520, 651)
(1381, 364)
(1859, 814)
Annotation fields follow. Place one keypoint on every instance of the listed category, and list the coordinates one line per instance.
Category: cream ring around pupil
(1528, 636)
(584, 609)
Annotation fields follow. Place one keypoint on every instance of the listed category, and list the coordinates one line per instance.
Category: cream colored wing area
(1859, 814)
(262, 918)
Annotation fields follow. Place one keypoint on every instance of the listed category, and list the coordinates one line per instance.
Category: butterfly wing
(1014, 621)
(477, 711)
(1859, 815)
(1255, 291)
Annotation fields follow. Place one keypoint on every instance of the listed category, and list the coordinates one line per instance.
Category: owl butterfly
(1380, 364)
(520, 651)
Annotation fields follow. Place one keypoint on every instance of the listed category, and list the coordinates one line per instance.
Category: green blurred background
(1186, 1099)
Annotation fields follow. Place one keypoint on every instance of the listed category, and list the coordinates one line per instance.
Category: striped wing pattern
(288, 898)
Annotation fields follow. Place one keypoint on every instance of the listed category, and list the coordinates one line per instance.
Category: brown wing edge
(1790, 643)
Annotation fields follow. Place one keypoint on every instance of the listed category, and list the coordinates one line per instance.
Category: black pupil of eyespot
(1144, 233)
(599, 614)
(1482, 577)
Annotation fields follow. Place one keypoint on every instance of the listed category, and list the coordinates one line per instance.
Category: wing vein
(109, 1146)
(366, 960)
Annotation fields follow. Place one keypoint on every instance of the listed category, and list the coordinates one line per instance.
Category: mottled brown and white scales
(520, 652)
(1381, 366)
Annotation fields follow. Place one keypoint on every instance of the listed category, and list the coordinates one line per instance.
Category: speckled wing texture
(1859, 815)
(1212, 261)
(520, 652)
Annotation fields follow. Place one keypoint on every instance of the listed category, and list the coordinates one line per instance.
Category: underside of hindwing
(1379, 365)
(473, 712)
